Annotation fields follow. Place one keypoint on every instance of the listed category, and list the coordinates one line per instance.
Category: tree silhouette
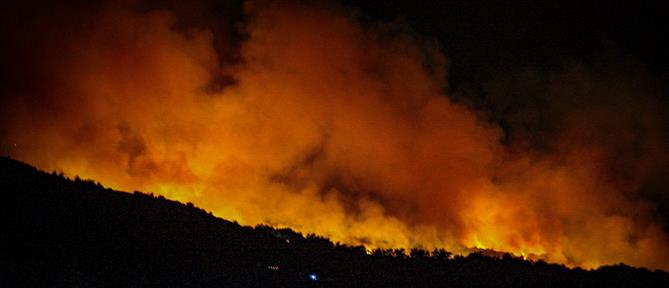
(63, 233)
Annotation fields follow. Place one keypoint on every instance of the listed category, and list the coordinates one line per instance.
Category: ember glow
(330, 127)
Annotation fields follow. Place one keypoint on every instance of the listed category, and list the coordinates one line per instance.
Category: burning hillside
(317, 121)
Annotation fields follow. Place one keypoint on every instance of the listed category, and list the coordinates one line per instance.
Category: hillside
(76, 233)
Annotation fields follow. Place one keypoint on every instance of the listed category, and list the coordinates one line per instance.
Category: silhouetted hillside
(76, 233)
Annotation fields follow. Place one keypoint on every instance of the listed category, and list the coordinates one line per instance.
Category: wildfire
(330, 128)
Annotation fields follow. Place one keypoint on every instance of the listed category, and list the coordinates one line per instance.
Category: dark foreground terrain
(75, 233)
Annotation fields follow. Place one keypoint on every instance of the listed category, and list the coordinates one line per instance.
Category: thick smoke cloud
(320, 123)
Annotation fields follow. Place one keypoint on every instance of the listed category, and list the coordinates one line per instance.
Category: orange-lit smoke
(330, 128)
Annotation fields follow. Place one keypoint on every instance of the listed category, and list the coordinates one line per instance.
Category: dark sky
(480, 34)
(522, 45)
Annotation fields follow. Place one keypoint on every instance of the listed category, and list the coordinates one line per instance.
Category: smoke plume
(298, 115)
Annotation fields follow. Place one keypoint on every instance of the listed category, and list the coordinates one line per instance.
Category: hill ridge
(74, 232)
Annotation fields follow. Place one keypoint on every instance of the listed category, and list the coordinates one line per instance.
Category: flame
(331, 129)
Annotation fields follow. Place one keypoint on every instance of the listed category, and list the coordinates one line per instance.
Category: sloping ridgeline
(75, 233)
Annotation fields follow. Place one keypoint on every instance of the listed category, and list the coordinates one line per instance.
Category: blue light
(313, 277)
